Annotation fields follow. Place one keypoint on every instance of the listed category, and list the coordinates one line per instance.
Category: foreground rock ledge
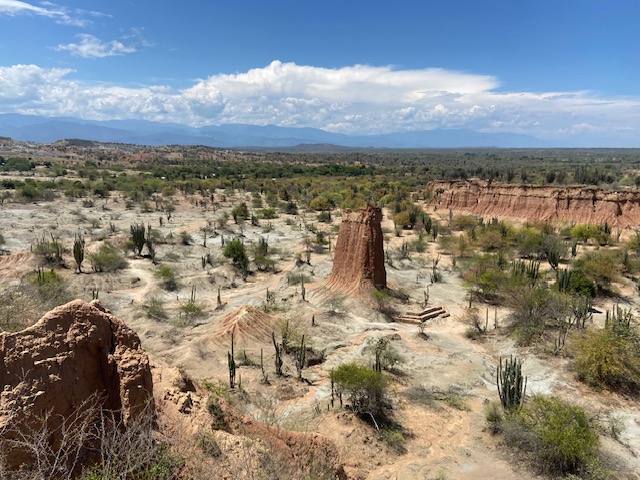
(73, 353)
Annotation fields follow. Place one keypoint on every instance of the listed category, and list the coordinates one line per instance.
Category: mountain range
(40, 129)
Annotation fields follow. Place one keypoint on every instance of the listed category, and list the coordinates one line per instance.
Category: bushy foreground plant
(107, 259)
(364, 387)
(610, 357)
(556, 437)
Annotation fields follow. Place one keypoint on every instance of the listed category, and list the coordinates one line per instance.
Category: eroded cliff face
(74, 354)
(358, 263)
(580, 204)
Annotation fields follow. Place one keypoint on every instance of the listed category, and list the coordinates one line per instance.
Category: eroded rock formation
(358, 263)
(76, 352)
(580, 204)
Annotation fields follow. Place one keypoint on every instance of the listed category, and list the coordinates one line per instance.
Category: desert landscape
(292, 316)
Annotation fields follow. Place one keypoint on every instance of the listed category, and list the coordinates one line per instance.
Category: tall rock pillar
(358, 264)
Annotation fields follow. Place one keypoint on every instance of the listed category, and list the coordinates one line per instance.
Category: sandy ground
(442, 442)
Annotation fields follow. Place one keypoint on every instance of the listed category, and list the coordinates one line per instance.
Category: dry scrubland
(440, 415)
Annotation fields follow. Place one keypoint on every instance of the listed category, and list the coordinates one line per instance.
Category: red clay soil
(72, 354)
(358, 264)
(248, 323)
(580, 204)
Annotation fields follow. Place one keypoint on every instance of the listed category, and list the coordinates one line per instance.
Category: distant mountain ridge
(142, 132)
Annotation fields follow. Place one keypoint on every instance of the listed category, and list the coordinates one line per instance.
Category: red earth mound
(249, 323)
(74, 353)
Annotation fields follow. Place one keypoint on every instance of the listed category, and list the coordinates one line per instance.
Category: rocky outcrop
(76, 352)
(358, 263)
(580, 204)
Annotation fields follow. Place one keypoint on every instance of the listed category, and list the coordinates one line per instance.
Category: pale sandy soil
(442, 442)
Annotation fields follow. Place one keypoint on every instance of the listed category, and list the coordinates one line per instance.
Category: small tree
(364, 387)
(236, 251)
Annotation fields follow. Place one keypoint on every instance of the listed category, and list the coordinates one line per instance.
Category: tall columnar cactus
(278, 355)
(301, 357)
(138, 237)
(78, 251)
(563, 279)
(232, 364)
(512, 386)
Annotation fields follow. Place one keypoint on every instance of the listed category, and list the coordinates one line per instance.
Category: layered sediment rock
(358, 263)
(580, 204)
(73, 354)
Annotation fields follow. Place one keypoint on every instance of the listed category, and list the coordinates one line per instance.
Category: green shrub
(558, 438)
(167, 277)
(208, 444)
(240, 213)
(365, 388)
(107, 259)
(601, 266)
(534, 309)
(608, 358)
(154, 307)
(236, 251)
(186, 238)
(385, 356)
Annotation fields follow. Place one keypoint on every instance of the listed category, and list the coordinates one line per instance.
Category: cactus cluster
(530, 270)
(512, 386)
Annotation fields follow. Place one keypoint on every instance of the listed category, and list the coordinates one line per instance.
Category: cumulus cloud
(356, 99)
(92, 47)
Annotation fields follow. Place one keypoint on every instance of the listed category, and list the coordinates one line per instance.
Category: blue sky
(553, 69)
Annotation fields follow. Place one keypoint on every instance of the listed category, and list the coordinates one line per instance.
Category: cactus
(300, 358)
(512, 386)
(563, 279)
(563, 333)
(377, 366)
(278, 359)
(219, 299)
(553, 257)
(404, 251)
(78, 251)
(530, 270)
(232, 364)
(265, 377)
(40, 276)
(303, 291)
(138, 234)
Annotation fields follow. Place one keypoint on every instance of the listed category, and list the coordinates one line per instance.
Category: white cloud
(356, 99)
(47, 9)
(92, 47)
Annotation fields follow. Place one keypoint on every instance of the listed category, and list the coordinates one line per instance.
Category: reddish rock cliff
(74, 352)
(580, 204)
(358, 263)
